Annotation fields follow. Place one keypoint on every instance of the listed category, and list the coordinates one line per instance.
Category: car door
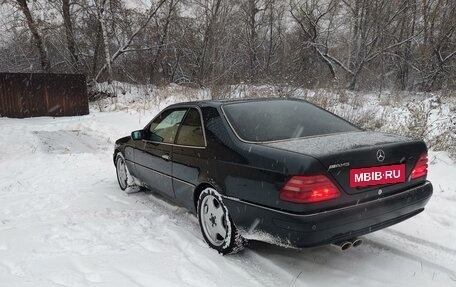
(190, 157)
(154, 159)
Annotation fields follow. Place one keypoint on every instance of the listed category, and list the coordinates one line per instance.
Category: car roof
(217, 103)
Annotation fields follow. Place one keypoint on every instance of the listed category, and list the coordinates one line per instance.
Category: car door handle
(165, 157)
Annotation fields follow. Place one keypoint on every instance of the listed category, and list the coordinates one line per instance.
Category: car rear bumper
(307, 230)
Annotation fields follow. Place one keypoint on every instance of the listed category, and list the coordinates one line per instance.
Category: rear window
(271, 120)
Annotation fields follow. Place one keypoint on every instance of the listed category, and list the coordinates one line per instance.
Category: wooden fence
(34, 95)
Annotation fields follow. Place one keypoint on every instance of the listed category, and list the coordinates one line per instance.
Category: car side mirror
(155, 138)
(137, 135)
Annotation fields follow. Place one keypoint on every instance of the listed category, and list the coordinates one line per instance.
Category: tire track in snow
(420, 241)
(400, 251)
(184, 221)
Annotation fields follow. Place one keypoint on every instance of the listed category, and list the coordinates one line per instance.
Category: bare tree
(211, 17)
(38, 40)
(163, 35)
(442, 40)
(71, 42)
(125, 48)
(251, 9)
(357, 44)
(274, 32)
(102, 11)
(309, 15)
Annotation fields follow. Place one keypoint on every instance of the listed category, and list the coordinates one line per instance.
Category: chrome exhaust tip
(357, 242)
(343, 245)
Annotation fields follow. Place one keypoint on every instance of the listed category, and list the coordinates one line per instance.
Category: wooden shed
(33, 95)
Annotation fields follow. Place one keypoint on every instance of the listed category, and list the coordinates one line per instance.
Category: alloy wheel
(213, 220)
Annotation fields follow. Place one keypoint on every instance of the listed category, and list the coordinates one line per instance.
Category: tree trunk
(45, 64)
(124, 48)
(153, 68)
(401, 52)
(408, 51)
(253, 10)
(271, 38)
(208, 41)
(96, 51)
(71, 43)
(101, 10)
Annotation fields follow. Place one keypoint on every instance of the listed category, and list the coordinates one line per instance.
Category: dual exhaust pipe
(347, 244)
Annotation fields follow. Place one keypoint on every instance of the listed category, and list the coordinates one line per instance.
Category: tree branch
(374, 55)
(125, 47)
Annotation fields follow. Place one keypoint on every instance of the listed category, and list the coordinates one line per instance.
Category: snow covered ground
(65, 222)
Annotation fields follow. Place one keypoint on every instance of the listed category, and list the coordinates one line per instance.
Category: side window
(165, 126)
(191, 131)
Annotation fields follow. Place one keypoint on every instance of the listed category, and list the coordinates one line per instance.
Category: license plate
(377, 175)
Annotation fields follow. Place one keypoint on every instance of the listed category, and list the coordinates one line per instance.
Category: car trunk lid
(339, 153)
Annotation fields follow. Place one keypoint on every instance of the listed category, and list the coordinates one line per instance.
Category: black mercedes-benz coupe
(283, 170)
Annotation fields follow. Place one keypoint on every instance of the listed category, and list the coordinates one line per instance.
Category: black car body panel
(250, 175)
(313, 229)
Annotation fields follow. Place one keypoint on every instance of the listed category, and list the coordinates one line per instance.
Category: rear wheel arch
(197, 192)
(202, 186)
(116, 151)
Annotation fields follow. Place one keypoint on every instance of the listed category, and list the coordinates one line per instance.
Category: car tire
(216, 225)
(123, 175)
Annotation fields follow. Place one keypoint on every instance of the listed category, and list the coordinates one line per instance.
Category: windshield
(271, 120)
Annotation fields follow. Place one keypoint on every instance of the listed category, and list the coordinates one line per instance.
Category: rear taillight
(308, 189)
(421, 167)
